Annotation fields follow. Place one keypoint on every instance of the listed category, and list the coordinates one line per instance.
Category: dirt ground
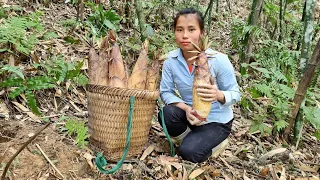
(247, 155)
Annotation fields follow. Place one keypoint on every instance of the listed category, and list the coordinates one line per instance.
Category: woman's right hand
(191, 118)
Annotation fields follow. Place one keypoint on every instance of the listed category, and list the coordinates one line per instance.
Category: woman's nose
(185, 35)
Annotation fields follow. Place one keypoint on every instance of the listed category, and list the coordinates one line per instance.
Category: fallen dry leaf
(127, 167)
(185, 174)
(307, 178)
(167, 160)
(89, 158)
(147, 152)
(306, 168)
(264, 171)
(196, 173)
(245, 176)
(283, 174)
(27, 111)
(273, 152)
(226, 177)
(240, 133)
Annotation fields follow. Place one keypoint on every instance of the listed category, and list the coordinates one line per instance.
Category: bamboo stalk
(141, 19)
(303, 87)
(252, 20)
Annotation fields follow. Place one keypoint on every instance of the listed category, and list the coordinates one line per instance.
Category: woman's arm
(167, 88)
(227, 82)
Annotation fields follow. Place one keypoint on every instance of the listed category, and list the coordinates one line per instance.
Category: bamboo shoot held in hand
(138, 76)
(117, 73)
(201, 76)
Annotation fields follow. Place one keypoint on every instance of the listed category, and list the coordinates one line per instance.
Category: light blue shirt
(176, 76)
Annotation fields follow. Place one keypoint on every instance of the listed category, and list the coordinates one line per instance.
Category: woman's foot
(216, 151)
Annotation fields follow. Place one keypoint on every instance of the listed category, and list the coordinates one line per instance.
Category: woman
(197, 140)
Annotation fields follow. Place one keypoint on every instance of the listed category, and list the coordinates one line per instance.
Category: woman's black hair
(189, 11)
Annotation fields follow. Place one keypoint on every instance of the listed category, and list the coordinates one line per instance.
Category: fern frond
(264, 89)
(13, 69)
(81, 80)
(12, 82)
(281, 124)
(40, 82)
(32, 103)
(17, 91)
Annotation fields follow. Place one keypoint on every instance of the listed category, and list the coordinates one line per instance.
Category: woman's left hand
(210, 93)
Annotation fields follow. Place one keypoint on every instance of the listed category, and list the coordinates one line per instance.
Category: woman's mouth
(185, 43)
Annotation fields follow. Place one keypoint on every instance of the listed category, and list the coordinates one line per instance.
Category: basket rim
(125, 92)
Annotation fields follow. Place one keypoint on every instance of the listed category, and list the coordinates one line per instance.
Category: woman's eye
(191, 30)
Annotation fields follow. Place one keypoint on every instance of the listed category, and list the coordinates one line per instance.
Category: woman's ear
(203, 32)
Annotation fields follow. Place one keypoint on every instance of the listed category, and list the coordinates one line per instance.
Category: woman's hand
(191, 118)
(211, 93)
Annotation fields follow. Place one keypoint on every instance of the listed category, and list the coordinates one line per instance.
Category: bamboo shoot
(201, 76)
(138, 77)
(117, 72)
(153, 73)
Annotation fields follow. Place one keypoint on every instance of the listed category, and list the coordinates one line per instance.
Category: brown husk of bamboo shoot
(201, 76)
(102, 69)
(138, 76)
(153, 73)
(93, 64)
(117, 72)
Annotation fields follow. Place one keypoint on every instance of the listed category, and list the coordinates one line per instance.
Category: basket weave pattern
(108, 109)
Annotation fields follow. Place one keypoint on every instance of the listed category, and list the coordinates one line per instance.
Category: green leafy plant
(78, 128)
(26, 85)
(55, 72)
(68, 22)
(101, 21)
(20, 33)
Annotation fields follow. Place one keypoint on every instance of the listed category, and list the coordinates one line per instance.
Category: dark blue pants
(197, 145)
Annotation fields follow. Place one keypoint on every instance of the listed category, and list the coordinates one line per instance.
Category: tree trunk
(284, 15)
(217, 6)
(81, 10)
(302, 20)
(317, 30)
(209, 8)
(253, 20)
(303, 87)
(308, 28)
(281, 20)
(138, 6)
(208, 12)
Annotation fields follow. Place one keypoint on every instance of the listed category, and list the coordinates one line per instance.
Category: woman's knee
(171, 114)
(191, 153)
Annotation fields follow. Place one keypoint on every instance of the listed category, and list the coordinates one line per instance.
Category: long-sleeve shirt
(176, 76)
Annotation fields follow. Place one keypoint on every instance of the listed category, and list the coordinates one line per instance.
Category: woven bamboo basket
(108, 109)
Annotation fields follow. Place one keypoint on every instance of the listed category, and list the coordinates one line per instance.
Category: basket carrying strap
(101, 161)
(165, 127)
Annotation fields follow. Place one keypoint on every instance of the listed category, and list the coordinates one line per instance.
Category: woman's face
(187, 29)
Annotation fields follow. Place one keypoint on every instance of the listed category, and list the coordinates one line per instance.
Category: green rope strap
(101, 161)
(165, 127)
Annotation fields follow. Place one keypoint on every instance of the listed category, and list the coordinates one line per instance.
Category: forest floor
(248, 155)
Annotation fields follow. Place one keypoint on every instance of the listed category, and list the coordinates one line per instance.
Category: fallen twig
(22, 147)
(54, 167)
